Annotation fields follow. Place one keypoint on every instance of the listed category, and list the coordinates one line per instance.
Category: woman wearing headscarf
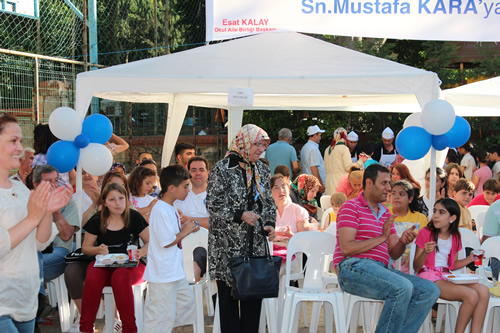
(303, 192)
(239, 199)
(338, 160)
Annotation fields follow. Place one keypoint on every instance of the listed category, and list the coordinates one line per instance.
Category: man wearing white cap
(385, 152)
(352, 144)
(310, 156)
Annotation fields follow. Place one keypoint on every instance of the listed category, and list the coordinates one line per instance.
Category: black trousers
(237, 316)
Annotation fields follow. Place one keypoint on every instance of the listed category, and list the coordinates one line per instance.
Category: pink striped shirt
(357, 214)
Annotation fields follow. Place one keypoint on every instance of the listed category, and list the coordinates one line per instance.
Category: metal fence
(40, 58)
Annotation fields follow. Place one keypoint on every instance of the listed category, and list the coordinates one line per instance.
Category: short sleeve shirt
(141, 202)
(496, 169)
(194, 205)
(165, 264)
(469, 164)
(492, 220)
(357, 214)
(425, 235)
(281, 153)
(119, 239)
(483, 173)
(70, 214)
(292, 213)
(311, 156)
(401, 223)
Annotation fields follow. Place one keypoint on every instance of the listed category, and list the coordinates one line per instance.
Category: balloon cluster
(80, 142)
(436, 126)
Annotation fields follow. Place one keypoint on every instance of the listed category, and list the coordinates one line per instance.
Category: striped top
(357, 214)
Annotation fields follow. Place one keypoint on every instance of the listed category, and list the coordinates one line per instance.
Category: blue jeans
(54, 263)
(408, 299)
(9, 325)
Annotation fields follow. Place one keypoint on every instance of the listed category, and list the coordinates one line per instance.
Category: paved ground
(51, 325)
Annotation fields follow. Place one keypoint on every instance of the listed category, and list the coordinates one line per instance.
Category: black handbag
(78, 256)
(255, 277)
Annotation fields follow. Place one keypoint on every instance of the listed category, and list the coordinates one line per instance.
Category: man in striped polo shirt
(366, 237)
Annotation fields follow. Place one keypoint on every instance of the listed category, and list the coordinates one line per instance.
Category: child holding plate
(436, 256)
(111, 231)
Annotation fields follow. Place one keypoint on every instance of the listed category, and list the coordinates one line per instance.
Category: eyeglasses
(261, 145)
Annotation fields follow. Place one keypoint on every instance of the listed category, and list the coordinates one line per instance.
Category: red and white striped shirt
(357, 214)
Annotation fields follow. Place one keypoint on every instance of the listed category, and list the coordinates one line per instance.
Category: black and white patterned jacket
(226, 201)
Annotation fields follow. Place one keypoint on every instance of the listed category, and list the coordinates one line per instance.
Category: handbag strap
(249, 238)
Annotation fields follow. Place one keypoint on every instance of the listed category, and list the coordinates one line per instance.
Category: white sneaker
(76, 326)
(117, 326)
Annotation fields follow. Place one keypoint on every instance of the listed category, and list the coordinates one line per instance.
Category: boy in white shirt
(169, 299)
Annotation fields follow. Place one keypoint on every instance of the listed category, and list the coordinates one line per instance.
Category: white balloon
(438, 117)
(96, 159)
(413, 120)
(65, 123)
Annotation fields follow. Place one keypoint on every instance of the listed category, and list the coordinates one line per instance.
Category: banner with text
(460, 20)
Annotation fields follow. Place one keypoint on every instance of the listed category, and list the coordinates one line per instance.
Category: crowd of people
(380, 207)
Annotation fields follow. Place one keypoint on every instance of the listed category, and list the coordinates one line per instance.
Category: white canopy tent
(478, 99)
(286, 70)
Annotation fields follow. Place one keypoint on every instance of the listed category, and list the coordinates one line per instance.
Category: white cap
(311, 130)
(352, 136)
(387, 133)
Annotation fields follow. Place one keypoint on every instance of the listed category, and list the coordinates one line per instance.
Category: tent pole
(432, 190)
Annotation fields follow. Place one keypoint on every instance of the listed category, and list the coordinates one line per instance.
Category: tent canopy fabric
(478, 99)
(286, 70)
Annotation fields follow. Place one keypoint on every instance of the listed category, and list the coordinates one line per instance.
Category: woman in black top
(111, 231)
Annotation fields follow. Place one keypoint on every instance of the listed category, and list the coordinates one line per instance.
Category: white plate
(111, 258)
(464, 278)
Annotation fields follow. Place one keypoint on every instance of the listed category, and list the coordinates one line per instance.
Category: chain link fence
(40, 58)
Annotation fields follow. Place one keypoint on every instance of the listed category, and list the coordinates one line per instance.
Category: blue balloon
(439, 142)
(98, 128)
(82, 141)
(413, 142)
(459, 133)
(63, 155)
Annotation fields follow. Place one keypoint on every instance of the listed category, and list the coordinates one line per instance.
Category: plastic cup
(132, 252)
(478, 257)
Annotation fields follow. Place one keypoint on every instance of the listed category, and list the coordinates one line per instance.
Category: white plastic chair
(324, 202)
(59, 294)
(314, 245)
(491, 247)
(469, 239)
(109, 306)
(269, 312)
(189, 243)
(330, 280)
(369, 308)
(294, 276)
(325, 216)
(478, 214)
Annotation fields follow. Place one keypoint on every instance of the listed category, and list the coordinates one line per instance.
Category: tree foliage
(433, 56)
